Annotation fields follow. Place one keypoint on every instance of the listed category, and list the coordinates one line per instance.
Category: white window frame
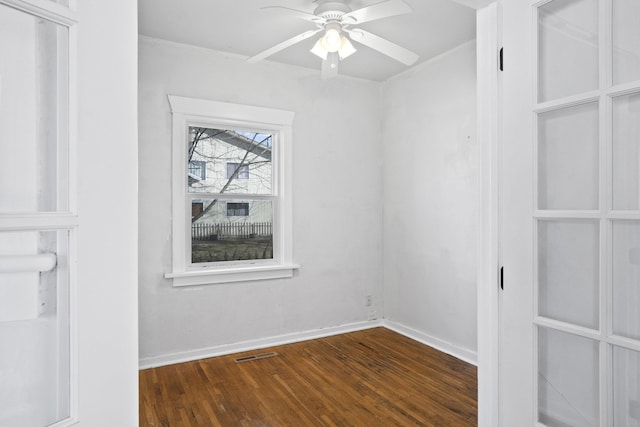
(191, 111)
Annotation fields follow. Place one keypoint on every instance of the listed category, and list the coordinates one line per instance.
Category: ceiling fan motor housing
(331, 10)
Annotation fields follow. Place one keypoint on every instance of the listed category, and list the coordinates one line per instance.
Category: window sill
(232, 274)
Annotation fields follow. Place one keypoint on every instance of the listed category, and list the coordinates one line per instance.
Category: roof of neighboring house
(232, 138)
(244, 143)
(193, 179)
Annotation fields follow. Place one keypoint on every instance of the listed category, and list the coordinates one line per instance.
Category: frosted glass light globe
(332, 40)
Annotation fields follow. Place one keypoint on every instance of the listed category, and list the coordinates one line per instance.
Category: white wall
(107, 206)
(337, 203)
(430, 200)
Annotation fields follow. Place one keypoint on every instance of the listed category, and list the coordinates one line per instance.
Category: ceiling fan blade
(297, 13)
(381, 10)
(390, 49)
(280, 46)
(330, 66)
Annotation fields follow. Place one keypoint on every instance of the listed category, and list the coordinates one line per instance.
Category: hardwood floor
(374, 377)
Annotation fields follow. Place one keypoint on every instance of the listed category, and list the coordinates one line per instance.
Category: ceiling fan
(336, 19)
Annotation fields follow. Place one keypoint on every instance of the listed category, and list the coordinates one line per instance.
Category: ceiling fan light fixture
(319, 50)
(334, 19)
(327, 44)
(346, 48)
(332, 40)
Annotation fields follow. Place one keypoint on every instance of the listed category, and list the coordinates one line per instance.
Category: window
(198, 169)
(241, 171)
(196, 208)
(228, 154)
(232, 172)
(237, 209)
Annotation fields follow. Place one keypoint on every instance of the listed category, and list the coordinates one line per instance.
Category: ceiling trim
(475, 4)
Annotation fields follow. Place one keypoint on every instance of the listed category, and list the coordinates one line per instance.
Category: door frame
(488, 39)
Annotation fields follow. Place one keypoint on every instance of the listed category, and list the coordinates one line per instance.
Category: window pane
(626, 152)
(568, 385)
(229, 161)
(626, 279)
(33, 114)
(568, 271)
(626, 393)
(568, 48)
(568, 158)
(231, 230)
(34, 328)
(626, 33)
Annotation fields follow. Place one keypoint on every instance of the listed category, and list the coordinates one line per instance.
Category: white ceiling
(241, 27)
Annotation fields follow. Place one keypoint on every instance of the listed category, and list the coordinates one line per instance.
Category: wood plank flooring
(368, 378)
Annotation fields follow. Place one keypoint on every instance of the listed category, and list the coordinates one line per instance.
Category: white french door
(570, 209)
(38, 221)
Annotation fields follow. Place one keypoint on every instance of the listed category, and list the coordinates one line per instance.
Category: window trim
(187, 111)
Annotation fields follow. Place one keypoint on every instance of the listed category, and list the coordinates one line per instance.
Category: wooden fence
(223, 231)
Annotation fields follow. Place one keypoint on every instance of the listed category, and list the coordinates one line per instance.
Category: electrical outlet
(369, 301)
(372, 315)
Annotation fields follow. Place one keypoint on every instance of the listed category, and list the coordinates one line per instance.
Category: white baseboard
(222, 350)
(444, 346)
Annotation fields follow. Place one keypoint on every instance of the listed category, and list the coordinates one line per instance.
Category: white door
(570, 326)
(68, 213)
(38, 224)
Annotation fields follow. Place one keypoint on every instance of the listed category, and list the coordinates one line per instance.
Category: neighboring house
(226, 166)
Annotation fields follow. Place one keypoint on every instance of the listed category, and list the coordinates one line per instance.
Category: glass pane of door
(568, 271)
(568, 158)
(626, 279)
(626, 392)
(626, 151)
(34, 328)
(625, 36)
(33, 114)
(567, 48)
(568, 379)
